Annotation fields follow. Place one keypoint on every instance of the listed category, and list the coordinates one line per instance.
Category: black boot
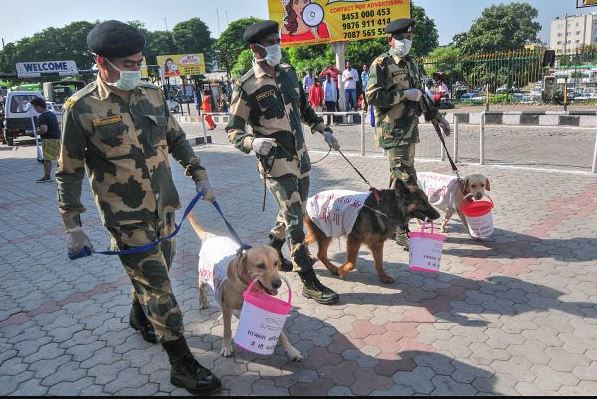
(138, 320)
(313, 289)
(186, 372)
(277, 244)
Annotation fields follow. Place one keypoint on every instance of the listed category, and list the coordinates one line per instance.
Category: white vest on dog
(335, 211)
(440, 189)
(214, 258)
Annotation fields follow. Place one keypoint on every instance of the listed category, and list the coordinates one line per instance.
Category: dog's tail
(197, 227)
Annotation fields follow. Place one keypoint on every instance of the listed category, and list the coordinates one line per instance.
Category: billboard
(181, 64)
(47, 68)
(586, 3)
(306, 22)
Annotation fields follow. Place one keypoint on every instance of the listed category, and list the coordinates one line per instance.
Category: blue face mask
(129, 80)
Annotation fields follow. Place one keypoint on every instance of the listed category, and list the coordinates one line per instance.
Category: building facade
(572, 32)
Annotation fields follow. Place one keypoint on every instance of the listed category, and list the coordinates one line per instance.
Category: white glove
(444, 125)
(413, 94)
(204, 187)
(262, 146)
(331, 140)
(77, 241)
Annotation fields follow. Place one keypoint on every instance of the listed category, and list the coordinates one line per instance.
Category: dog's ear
(487, 184)
(400, 187)
(466, 184)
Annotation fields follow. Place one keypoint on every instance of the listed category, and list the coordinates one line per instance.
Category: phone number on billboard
(364, 24)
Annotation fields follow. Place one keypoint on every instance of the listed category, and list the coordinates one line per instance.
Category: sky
(20, 19)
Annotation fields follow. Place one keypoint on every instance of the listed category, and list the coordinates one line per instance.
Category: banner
(181, 64)
(306, 22)
(48, 68)
(586, 3)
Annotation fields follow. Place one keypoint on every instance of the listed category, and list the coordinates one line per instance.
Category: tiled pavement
(514, 315)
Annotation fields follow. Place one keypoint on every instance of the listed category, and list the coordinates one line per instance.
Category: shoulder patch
(380, 60)
(286, 66)
(148, 85)
(247, 76)
(79, 95)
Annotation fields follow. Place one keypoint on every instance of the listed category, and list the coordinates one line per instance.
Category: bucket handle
(471, 194)
(250, 287)
(424, 225)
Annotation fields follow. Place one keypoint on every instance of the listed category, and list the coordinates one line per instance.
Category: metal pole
(363, 115)
(594, 168)
(456, 128)
(482, 140)
(204, 129)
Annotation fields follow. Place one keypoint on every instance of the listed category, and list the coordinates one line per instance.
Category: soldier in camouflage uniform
(394, 90)
(270, 98)
(122, 131)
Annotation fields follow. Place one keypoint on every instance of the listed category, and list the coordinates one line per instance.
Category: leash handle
(144, 248)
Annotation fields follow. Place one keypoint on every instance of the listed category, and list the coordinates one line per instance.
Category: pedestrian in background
(350, 77)
(316, 96)
(308, 81)
(223, 103)
(330, 96)
(207, 107)
(364, 82)
(50, 136)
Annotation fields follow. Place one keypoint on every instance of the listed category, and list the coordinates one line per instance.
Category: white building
(571, 32)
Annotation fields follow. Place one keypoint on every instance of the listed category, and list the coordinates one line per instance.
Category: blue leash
(144, 248)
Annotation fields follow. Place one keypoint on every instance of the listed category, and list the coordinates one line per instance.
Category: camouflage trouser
(148, 272)
(291, 193)
(402, 164)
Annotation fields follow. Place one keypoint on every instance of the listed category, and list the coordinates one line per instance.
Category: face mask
(274, 54)
(400, 48)
(129, 80)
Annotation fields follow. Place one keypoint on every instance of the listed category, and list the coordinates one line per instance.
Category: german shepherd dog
(375, 223)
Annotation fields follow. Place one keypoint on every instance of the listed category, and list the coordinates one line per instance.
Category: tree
(243, 63)
(193, 36)
(501, 27)
(159, 43)
(230, 43)
(426, 36)
(445, 59)
(315, 57)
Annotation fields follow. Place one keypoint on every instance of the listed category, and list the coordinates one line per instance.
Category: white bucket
(261, 320)
(479, 216)
(425, 250)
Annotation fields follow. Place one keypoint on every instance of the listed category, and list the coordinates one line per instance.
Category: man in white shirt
(308, 81)
(350, 77)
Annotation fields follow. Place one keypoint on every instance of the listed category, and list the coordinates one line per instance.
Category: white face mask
(129, 80)
(401, 48)
(274, 54)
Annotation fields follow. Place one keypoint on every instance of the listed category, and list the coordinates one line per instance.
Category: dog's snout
(478, 196)
(277, 283)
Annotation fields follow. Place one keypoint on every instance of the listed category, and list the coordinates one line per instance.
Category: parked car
(18, 112)
(472, 96)
(173, 106)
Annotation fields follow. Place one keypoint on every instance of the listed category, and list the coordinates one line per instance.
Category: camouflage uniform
(396, 117)
(125, 146)
(274, 108)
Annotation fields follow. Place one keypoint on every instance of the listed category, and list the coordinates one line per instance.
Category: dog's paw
(386, 279)
(226, 350)
(295, 355)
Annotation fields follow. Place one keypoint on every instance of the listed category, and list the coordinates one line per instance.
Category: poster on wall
(306, 22)
(181, 64)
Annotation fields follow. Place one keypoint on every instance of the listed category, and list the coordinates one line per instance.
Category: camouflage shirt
(125, 147)
(396, 117)
(274, 107)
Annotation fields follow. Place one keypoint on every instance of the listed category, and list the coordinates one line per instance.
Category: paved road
(514, 315)
(553, 147)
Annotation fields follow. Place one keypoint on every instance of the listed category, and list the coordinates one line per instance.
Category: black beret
(113, 39)
(404, 25)
(259, 30)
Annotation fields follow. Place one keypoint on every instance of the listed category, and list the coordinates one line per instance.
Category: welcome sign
(38, 69)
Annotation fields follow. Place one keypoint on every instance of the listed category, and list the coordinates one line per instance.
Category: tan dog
(446, 193)
(231, 273)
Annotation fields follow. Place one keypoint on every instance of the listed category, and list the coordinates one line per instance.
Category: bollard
(363, 115)
(456, 128)
(482, 140)
(204, 129)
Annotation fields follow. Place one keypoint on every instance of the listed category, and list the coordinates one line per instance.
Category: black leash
(376, 192)
(441, 138)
